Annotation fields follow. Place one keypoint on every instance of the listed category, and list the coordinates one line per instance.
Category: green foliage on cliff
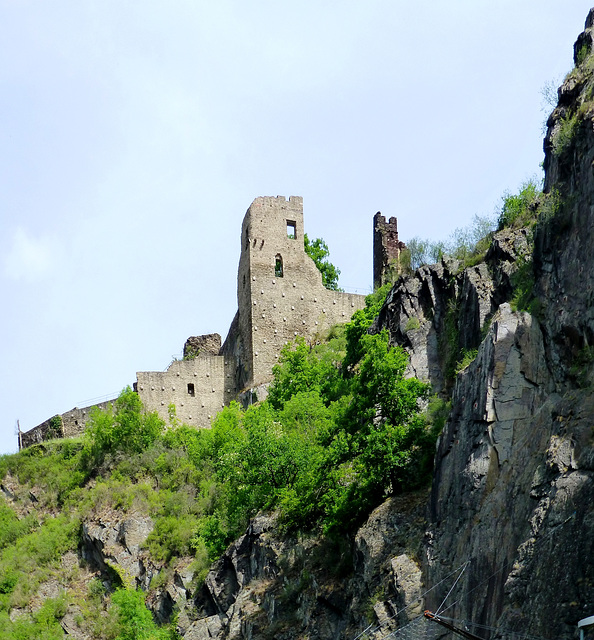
(124, 427)
(134, 620)
(341, 430)
(318, 251)
(520, 210)
(360, 323)
(467, 244)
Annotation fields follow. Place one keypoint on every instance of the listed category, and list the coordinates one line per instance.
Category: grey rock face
(268, 587)
(513, 484)
(113, 541)
(443, 309)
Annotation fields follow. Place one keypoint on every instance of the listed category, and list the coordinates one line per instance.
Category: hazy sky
(134, 136)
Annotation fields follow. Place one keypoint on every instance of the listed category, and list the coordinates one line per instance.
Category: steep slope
(509, 509)
(512, 492)
(513, 484)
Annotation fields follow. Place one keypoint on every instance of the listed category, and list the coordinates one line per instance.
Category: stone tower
(386, 250)
(280, 294)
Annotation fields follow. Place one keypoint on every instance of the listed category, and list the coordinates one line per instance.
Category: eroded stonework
(280, 296)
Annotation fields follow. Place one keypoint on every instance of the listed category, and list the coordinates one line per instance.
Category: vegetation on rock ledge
(341, 429)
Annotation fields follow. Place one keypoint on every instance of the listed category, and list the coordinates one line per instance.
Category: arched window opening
(278, 266)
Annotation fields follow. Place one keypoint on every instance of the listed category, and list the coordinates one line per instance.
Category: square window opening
(191, 391)
(291, 229)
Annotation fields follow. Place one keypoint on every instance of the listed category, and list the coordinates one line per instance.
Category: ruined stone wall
(280, 296)
(199, 389)
(74, 422)
(279, 290)
(386, 250)
(208, 344)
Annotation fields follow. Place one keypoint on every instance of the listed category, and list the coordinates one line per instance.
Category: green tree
(318, 251)
(359, 325)
(126, 428)
(295, 372)
(381, 444)
(135, 621)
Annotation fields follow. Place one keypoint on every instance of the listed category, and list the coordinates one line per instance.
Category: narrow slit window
(291, 229)
(278, 266)
(191, 391)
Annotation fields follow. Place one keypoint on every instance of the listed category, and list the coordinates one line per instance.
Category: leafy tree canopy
(318, 251)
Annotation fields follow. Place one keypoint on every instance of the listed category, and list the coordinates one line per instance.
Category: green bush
(468, 356)
(565, 135)
(518, 210)
(125, 428)
(171, 536)
(582, 54)
(11, 528)
(523, 284)
(43, 625)
(318, 251)
(134, 620)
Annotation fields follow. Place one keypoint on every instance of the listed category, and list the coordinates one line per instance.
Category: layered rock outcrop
(510, 506)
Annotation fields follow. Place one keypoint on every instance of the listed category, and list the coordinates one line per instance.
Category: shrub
(11, 528)
(318, 251)
(171, 536)
(582, 54)
(518, 210)
(126, 428)
(565, 134)
(134, 620)
(468, 356)
(523, 284)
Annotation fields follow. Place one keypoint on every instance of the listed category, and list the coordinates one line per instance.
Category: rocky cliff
(510, 504)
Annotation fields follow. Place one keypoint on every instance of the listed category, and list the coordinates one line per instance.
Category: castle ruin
(280, 296)
(386, 250)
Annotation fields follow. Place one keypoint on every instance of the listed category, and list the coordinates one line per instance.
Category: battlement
(379, 221)
(273, 201)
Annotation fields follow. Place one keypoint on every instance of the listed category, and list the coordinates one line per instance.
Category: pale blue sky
(134, 135)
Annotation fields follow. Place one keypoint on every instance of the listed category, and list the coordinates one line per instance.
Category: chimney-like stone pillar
(386, 250)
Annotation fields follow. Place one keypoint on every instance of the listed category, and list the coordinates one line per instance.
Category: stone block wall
(199, 388)
(280, 296)
(74, 423)
(386, 250)
(279, 289)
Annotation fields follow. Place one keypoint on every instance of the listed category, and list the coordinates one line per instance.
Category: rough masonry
(386, 250)
(280, 296)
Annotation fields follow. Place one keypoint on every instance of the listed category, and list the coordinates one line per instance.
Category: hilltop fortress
(280, 296)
